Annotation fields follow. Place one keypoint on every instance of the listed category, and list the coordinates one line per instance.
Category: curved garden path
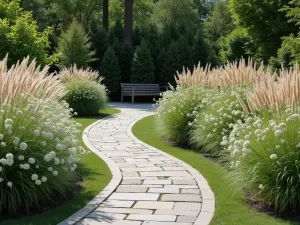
(149, 187)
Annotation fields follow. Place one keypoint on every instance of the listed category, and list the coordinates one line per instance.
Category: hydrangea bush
(85, 97)
(213, 125)
(178, 109)
(38, 152)
(265, 157)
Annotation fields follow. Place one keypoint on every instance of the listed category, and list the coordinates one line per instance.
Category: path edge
(208, 199)
(108, 190)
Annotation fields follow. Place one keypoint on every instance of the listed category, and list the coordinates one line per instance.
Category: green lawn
(231, 207)
(96, 176)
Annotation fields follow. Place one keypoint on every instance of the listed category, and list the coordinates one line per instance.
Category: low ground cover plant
(215, 122)
(178, 110)
(38, 148)
(85, 93)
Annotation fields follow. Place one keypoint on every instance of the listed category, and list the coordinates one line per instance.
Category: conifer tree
(74, 47)
(110, 70)
(126, 57)
(172, 64)
(142, 67)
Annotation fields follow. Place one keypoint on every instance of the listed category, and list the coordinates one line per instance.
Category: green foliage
(201, 49)
(265, 21)
(110, 70)
(159, 63)
(216, 120)
(288, 54)
(236, 45)
(172, 64)
(74, 47)
(141, 13)
(177, 12)
(177, 110)
(85, 97)
(99, 43)
(82, 11)
(38, 153)
(126, 57)
(142, 66)
(220, 23)
(19, 35)
(265, 157)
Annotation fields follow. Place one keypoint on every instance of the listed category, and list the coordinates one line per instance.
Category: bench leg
(132, 97)
(122, 97)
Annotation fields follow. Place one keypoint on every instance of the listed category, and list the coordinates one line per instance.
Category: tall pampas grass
(26, 80)
(276, 94)
(73, 73)
(199, 76)
(238, 73)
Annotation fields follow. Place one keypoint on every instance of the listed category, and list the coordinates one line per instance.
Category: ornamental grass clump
(215, 122)
(276, 94)
(85, 94)
(178, 109)
(265, 157)
(38, 139)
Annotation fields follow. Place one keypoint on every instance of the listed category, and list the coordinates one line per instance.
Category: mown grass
(96, 175)
(231, 206)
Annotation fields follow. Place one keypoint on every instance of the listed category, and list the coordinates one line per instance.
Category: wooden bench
(139, 90)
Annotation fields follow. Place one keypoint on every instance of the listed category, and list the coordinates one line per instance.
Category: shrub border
(208, 198)
(108, 190)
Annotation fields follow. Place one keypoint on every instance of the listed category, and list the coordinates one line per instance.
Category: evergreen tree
(200, 49)
(126, 57)
(185, 52)
(99, 42)
(74, 47)
(110, 70)
(159, 63)
(116, 33)
(142, 66)
(172, 64)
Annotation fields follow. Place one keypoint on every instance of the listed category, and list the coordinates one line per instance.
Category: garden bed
(96, 175)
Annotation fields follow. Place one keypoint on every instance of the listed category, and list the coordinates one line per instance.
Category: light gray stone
(186, 219)
(166, 174)
(177, 212)
(135, 189)
(124, 210)
(164, 190)
(184, 182)
(132, 181)
(116, 203)
(189, 206)
(164, 223)
(154, 205)
(157, 182)
(134, 196)
(159, 218)
(181, 198)
(190, 191)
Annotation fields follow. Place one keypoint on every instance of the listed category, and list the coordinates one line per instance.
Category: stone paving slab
(149, 187)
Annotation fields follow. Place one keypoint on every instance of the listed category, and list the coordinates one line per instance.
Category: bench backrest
(142, 88)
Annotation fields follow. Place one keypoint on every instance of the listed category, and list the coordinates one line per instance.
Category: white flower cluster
(35, 137)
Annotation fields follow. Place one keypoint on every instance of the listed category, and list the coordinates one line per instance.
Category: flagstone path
(149, 187)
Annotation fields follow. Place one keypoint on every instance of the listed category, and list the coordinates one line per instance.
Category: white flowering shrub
(265, 157)
(86, 97)
(38, 152)
(213, 125)
(178, 109)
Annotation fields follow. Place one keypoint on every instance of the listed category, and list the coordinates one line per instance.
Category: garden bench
(139, 90)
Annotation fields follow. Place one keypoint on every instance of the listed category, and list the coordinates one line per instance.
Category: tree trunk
(128, 20)
(105, 14)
